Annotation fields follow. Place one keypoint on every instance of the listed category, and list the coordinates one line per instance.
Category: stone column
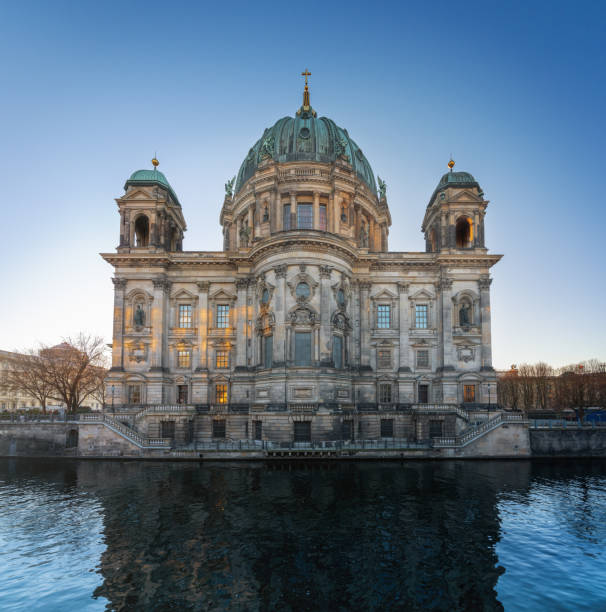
(325, 310)
(241, 285)
(316, 221)
(330, 213)
(364, 324)
(445, 325)
(279, 342)
(118, 331)
(404, 365)
(293, 210)
(203, 288)
(484, 284)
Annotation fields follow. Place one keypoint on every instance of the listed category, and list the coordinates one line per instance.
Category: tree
(74, 369)
(27, 375)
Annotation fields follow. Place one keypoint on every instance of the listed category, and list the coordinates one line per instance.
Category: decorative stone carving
(119, 283)
(484, 283)
(303, 316)
(364, 285)
(139, 316)
(444, 284)
(363, 236)
(382, 188)
(341, 321)
(403, 287)
(325, 271)
(466, 353)
(162, 283)
(242, 283)
(280, 271)
(203, 285)
(465, 314)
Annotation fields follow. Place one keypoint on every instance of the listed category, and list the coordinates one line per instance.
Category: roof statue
(229, 187)
(382, 187)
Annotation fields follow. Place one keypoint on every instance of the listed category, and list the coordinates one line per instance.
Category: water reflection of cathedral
(293, 536)
(305, 315)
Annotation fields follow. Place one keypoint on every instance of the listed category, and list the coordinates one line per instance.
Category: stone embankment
(104, 436)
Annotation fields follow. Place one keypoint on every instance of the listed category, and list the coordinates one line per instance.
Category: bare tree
(75, 369)
(28, 376)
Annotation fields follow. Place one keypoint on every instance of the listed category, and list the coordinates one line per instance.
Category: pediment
(421, 294)
(465, 196)
(472, 376)
(221, 294)
(138, 291)
(385, 294)
(183, 294)
(138, 194)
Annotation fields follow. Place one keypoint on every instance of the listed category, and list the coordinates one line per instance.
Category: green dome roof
(151, 177)
(455, 179)
(305, 138)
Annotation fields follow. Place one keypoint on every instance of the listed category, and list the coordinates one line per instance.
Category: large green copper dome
(305, 138)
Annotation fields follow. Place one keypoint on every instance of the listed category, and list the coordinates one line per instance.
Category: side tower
(150, 213)
(454, 231)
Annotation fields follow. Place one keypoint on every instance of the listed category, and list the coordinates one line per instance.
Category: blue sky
(514, 91)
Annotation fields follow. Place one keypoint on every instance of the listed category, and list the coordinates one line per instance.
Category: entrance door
(423, 394)
(302, 431)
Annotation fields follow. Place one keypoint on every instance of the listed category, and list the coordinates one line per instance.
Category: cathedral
(305, 326)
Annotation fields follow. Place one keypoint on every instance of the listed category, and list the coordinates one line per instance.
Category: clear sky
(515, 91)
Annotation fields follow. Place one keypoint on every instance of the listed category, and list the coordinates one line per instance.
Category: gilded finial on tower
(155, 162)
(451, 164)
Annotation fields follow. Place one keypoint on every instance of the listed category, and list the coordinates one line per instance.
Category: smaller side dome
(151, 177)
(455, 179)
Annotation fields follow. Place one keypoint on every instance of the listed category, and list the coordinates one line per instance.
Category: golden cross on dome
(306, 73)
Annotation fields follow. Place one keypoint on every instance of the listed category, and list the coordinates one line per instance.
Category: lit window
(222, 360)
(384, 358)
(305, 216)
(383, 316)
(222, 315)
(183, 359)
(268, 346)
(337, 351)
(322, 221)
(221, 394)
(286, 217)
(421, 316)
(469, 393)
(134, 394)
(385, 394)
(422, 359)
(302, 348)
(184, 315)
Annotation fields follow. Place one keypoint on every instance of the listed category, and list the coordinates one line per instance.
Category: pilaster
(279, 342)
(118, 327)
(364, 325)
(324, 343)
(240, 314)
(484, 285)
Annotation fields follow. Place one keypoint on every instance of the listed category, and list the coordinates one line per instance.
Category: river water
(448, 535)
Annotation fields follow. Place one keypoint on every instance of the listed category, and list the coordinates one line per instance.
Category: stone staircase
(128, 433)
(473, 433)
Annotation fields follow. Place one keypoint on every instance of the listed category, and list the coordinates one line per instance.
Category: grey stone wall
(568, 442)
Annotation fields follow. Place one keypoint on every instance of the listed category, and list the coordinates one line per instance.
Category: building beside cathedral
(305, 326)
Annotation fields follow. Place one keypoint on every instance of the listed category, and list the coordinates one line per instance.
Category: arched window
(464, 233)
(142, 231)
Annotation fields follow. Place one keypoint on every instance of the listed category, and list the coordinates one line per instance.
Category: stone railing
(173, 409)
(303, 407)
(441, 409)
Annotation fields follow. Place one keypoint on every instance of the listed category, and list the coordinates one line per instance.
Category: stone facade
(305, 316)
